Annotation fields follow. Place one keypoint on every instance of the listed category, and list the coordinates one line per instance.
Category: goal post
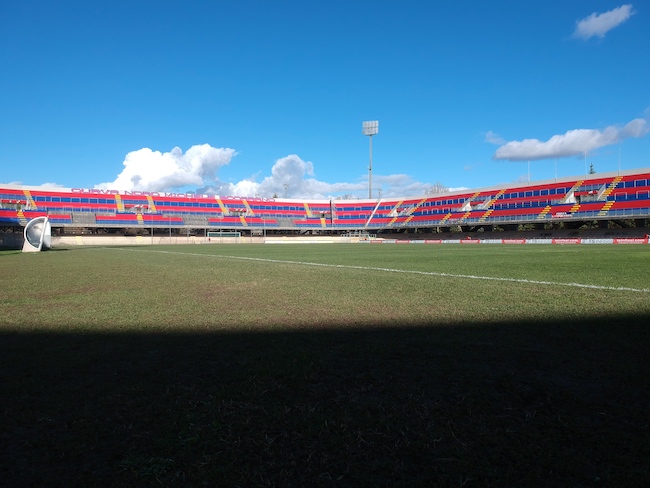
(221, 236)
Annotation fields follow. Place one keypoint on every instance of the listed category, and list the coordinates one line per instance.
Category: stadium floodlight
(370, 128)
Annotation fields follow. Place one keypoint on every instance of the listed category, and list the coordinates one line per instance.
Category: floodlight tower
(370, 128)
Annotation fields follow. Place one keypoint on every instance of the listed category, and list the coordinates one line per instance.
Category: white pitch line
(414, 272)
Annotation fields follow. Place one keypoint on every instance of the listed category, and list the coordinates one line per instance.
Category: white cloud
(148, 170)
(297, 175)
(43, 185)
(51, 185)
(600, 24)
(637, 128)
(291, 177)
(572, 143)
(398, 185)
(494, 138)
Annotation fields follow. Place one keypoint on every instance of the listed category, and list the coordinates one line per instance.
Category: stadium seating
(599, 196)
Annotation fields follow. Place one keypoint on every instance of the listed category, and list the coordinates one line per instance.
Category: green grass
(192, 366)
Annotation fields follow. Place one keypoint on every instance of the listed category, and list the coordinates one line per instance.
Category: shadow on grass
(511, 404)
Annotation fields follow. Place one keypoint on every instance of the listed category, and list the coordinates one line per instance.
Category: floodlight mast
(370, 128)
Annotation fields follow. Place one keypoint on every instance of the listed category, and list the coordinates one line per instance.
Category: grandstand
(604, 199)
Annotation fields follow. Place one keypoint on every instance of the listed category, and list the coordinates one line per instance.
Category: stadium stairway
(489, 204)
(485, 216)
(610, 188)
(30, 200)
(152, 206)
(223, 207)
(606, 207)
(572, 191)
(119, 203)
(446, 218)
(543, 213)
(21, 217)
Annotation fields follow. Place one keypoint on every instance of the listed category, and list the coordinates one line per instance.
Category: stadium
(218, 304)
(132, 357)
(607, 204)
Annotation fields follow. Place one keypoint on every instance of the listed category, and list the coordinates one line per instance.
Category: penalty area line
(408, 271)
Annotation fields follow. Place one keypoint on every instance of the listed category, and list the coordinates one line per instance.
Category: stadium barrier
(65, 241)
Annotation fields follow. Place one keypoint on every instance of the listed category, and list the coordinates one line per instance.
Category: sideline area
(67, 241)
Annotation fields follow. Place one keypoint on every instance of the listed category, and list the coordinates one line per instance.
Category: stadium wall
(71, 241)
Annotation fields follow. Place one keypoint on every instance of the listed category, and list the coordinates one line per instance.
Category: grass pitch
(325, 365)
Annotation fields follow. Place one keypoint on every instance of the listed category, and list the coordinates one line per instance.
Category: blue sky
(268, 97)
